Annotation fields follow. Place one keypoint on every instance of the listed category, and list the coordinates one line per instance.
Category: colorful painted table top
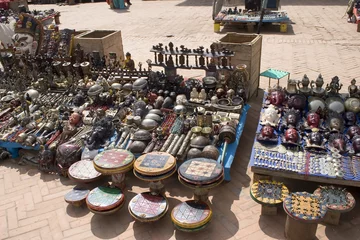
(335, 198)
(76, 195)
(83, 171)
(147, 207)
(201, 171)
(154, 163)
(305, 206)
(191, 214)
(268, 192)
(104, 198)
(114, 159)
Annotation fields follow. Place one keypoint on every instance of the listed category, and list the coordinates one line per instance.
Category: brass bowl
(196, 129)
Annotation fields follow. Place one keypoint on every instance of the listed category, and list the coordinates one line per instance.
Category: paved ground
(319, 41)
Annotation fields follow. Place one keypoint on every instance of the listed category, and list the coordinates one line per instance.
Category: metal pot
(137, 147)
(193, 153)
(352, 105)
(149, 124)
(142, 135)
(335, 104)
(211, 152)
(153, 116)
(199, 142)
(139, 84)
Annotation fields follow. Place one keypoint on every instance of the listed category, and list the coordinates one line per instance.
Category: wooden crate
(104, 41)
(247, 48)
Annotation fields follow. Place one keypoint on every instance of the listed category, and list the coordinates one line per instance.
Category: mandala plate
(337, 199)
(268, 192)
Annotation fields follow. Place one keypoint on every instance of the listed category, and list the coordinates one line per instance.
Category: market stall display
(337, 200)
(269, 194)
(304, 211)
(309, 132)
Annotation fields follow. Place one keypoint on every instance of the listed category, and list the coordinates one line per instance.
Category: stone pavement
(319, 41)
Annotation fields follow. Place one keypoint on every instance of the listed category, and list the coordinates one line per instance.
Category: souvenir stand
(93, 115)
(250, 15)
(311, 133)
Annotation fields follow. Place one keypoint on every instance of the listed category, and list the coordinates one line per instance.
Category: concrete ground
(319, 41)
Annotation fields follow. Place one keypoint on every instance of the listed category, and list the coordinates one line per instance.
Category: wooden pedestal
(268, 210)
(332, 217)
(201, 194)
(157, 187)
(297, 230)
(257, 177)
(118, 180)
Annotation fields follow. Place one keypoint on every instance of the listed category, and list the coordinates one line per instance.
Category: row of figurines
(315, 88)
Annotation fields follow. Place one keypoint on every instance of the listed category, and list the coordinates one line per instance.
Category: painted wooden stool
(105, 200)
(304, 212)
(201, 174)
(115, 162)
(337, 200)
(76, 197)
(269, 194)
(191, 216)
(147, 207)
(155, 167)
(83, 172)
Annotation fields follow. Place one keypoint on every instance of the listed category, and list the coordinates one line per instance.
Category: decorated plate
(191, 214)
(114, 159)
(335, 198)
(191, 229)
(76, 195)
(104, 198)
(155, 178)
(147, 207)
(305, 206)
(201, 171)
(154, 163)
(268, 192)
(83, 171)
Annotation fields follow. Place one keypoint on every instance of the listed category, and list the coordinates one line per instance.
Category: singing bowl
(153, 116)
(335, 104)
(352, 105)
(149, 124)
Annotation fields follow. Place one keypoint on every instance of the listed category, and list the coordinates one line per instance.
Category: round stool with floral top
(105, 200)
(269, 194)
(304, 212)
(337, 200)
(115, 162)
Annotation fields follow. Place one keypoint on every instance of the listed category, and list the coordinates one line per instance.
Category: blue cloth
(231, 149)
(119, 4)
